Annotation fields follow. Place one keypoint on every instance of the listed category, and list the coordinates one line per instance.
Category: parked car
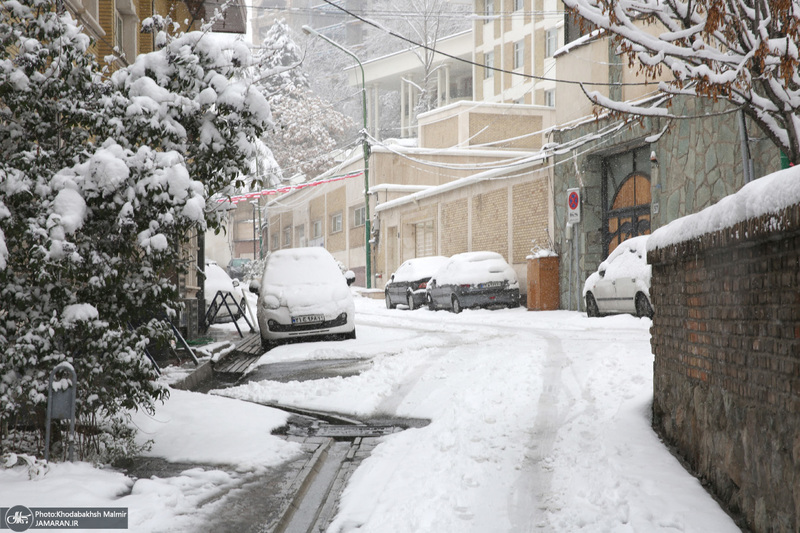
(408, 284)
(237, 266)
(217, 280)
(622, 282)
(303, 295)
(473, 279)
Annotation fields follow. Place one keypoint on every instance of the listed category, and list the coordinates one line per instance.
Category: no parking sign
(573, 206)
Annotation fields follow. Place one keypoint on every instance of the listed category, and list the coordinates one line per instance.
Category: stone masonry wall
(726, 341)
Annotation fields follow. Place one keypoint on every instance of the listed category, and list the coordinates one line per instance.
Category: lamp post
(367, 226)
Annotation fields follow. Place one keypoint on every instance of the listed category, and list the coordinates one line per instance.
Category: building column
(402, 108)
(447, 84)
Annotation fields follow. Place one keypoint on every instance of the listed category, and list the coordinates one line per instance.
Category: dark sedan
(407, 285)
(473, 279)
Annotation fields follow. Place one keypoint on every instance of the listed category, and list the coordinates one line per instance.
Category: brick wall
(490, 222)
(726, 340)
(455, 220)
(530, 218)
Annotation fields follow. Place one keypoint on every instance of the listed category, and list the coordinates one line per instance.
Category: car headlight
(271, 302)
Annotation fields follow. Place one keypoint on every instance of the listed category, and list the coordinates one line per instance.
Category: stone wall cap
(771, 194)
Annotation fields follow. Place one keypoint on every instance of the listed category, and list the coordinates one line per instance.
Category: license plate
(307, 319)
(491, 284)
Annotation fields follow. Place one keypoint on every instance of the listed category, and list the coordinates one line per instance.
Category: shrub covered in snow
(100, 180)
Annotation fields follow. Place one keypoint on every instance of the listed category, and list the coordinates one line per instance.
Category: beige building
(430, 200)
(519, 37)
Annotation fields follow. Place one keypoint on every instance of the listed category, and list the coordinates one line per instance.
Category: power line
(473, 63)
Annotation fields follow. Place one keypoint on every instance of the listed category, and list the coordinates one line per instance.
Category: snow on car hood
(306, 281)
(308, 298)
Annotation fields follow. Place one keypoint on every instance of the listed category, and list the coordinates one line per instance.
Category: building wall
(698, 162)
(726, 341)
(501, 215)
(490, 222)
(455, 227)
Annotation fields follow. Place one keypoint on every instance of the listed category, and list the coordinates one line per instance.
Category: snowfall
(540, 421)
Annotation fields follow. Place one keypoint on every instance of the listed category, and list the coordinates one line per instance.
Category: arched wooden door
(626, 184)
(629, 215)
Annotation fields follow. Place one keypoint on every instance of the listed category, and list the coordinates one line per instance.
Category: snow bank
(767, 195)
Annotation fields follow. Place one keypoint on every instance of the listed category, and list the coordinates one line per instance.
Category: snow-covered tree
(745, 51)
(306, 127)
(100, 180)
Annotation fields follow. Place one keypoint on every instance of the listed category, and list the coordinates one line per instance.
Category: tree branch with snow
(743, 51)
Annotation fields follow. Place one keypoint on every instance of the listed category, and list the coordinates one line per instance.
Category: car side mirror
(255, 287)
(392, 278)
(602, 273)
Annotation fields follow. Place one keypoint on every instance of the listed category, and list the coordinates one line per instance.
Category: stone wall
(726, 341)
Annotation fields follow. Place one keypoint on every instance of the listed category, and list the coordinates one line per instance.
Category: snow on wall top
(769, 194)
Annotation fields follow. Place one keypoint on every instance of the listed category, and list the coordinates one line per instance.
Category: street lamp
(367, 226)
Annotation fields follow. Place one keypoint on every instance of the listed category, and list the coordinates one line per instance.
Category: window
(119, 31)
(336, 223)
(276, 241)
(551, 42)
(488, 72)
(518, 5)
(488, 10)
(287, 236)
(519, 54)
(300, 235)
(359, 216)
(316, 231)
(550, 98)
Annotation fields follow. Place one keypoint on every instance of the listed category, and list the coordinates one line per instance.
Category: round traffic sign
(573, 200)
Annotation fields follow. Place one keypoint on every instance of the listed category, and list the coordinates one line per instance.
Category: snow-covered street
(539, 422)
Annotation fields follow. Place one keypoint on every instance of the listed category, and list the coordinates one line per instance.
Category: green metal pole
(365, 142)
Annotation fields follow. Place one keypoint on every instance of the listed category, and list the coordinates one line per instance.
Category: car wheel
(643, 307)
(388, 301)
(591, 306)
(456, 307)
(411, 304)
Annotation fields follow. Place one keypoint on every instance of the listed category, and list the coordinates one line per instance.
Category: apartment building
(520, 38)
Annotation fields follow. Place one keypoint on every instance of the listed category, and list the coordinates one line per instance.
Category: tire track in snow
(531, 496)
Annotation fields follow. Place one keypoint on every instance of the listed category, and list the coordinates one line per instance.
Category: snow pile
(767, 195)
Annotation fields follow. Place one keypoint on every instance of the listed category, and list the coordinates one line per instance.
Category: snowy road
(539, 422)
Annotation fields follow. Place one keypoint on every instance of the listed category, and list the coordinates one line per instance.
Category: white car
(217, 280)
(622, 282)
(303, 295)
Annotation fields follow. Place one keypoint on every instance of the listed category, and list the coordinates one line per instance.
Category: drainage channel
(344, 443)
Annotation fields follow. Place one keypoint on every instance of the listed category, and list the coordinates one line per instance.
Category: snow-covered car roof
(475, 267)
(419, 268)
(302, 266)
